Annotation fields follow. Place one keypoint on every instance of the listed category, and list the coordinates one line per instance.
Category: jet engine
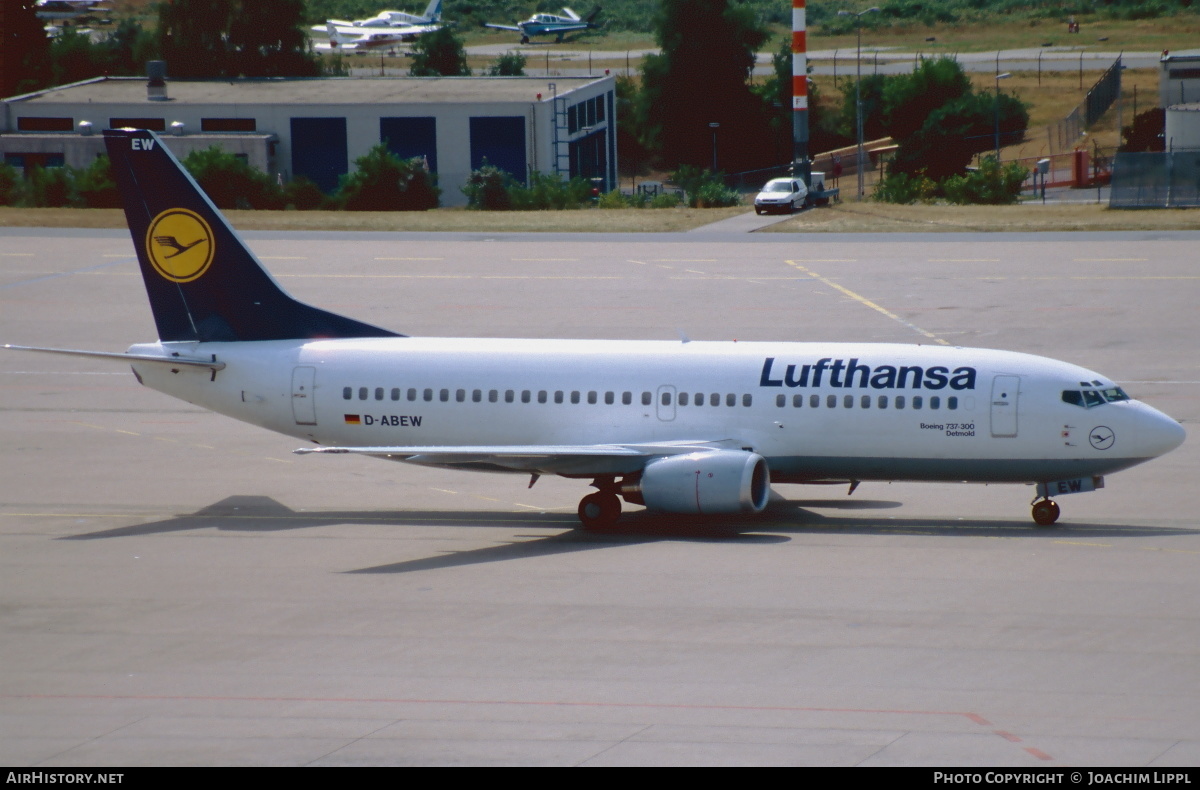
(722, 481)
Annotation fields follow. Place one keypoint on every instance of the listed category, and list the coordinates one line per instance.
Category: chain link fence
(1156, 180)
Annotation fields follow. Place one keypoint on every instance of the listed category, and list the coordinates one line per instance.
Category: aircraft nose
(1159, 433)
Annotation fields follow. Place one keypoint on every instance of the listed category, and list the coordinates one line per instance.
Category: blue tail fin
(204, 283)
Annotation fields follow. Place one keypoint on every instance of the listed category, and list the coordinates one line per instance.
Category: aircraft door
(1005, 391)
(666, 403)
(304, 406)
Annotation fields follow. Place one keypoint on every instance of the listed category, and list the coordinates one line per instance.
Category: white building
(318, 127)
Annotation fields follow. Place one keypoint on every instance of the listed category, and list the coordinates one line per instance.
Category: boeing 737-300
(680, 427)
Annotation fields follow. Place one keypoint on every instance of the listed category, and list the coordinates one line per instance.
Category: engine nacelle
(722, 481)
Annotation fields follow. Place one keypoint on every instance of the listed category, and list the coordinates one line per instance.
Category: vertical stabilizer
(203, 282)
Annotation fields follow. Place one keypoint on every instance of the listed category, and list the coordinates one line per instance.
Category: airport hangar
(318, 127)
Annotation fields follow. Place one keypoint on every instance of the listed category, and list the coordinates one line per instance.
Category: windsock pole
(801, 164)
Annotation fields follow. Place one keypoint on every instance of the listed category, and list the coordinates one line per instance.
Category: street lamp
(996, 108)
(714, 126)
(858, 166)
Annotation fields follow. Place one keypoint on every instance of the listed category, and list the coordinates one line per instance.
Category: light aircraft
(551, 24)
(413, 25)
(681, 427)
(363, 41)
(56, 10)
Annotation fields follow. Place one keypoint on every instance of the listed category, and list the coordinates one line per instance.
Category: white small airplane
(680, 427)
(412, 24)
(365, 41)
(59, 10)
(551, 24)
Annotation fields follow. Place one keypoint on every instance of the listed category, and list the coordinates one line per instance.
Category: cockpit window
(1114, 394)
(1091, 398)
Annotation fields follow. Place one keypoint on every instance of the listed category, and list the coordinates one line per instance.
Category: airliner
(677, 426)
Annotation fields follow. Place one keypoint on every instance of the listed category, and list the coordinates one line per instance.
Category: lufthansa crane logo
(1102, 437)
(180, 245)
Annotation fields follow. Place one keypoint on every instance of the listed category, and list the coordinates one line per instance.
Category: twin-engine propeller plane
(680, 427)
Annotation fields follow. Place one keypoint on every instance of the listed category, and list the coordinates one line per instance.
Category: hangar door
(411, 138)
(319, 150)
(500, 140)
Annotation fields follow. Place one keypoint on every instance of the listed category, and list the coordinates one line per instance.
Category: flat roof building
(318, 127)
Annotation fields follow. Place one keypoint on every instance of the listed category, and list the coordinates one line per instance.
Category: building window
(29, 124)
(228, 125)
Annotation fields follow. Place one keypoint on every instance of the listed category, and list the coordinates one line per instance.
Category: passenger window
(574, 396)
(952, 403)
(935, 402)
(610, 398)
(493, 396)
(781, 400)
(395, 393)
(866, 401)
(558, 396)
(747, 400)
(379, 393)
(412, 393)
(476, 395)
(683, 399)
(899, 401)
(666, 398)
(731, 399)
(444, 395)
(626, 398)
(814, 401)
(592, 397)
(917, 401)
(646, 398)
(460, 395)
(541, 396)
(526, 396)
(362, 393)
(831, 401)
(882, 403)
(509, 396)
(848, 402)
(698, 399)
(347, 392)
(428, 394)
(797, 401)
(714, 399)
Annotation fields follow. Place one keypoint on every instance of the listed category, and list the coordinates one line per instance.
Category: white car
(781, 194)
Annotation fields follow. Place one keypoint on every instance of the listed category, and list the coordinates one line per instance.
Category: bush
(302, 194)
(704, 189)
(231, 183)
(95, 185)
(665, 200)
(991, 184)
(51, 187)
(549, 191)
(487, 188)
(12, 185)
(905, 189)
(382, 181)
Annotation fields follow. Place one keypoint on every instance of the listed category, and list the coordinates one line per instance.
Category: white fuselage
(815, 411)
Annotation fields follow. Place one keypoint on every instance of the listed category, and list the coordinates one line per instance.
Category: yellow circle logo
(180, 245)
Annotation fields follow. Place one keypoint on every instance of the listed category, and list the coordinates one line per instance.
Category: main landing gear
(602, 509)
(1045, 512)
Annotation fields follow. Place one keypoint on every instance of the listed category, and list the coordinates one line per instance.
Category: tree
(776, 94)
(24, 49)
(232, 38)
(701, 77)
(381, 181)
(952, 134)
(1146, 133)
(439, 53)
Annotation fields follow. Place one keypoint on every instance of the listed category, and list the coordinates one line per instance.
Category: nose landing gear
(1045, 512)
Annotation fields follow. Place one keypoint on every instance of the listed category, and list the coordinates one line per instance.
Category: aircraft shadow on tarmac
(776, 524)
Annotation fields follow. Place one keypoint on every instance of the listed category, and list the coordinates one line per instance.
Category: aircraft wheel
(1045, 513)
(599, 510)
(524, 39)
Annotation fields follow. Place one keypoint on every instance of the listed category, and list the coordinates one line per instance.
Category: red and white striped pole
(801, 164)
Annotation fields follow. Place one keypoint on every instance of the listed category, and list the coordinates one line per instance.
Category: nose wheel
(599, 510)
(1045, 512)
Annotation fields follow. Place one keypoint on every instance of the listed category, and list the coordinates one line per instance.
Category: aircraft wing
(502, 27)
(552, 459)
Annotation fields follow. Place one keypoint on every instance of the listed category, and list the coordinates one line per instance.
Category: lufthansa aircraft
(680, 427)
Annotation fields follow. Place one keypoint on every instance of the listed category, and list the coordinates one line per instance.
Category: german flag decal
(353, 419)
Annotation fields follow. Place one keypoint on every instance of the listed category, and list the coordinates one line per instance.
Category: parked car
(781, 194)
